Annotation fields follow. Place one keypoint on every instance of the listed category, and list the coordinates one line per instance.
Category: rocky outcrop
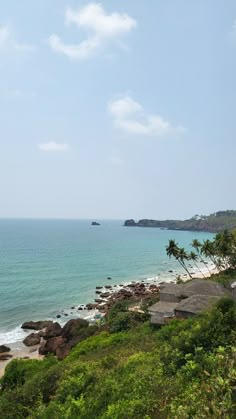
(73, 328)
(94, 223)
(130, 223)
(72, 333)
(212, 223)
(32, 339)
(4, 348)
(53, 330)
(51, 345)
(39, 325)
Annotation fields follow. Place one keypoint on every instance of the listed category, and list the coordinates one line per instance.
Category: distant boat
(94, 223)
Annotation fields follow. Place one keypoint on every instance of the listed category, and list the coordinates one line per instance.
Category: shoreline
(20, 351)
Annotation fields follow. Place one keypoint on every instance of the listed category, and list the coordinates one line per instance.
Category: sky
(117, 109)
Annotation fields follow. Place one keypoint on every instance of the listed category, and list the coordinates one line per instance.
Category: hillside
(184, 370)
(212, 223)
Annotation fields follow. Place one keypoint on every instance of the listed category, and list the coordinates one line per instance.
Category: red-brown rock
(39, 325)
(52, 331)
(51, 345)
(32, 339)
(4, 348)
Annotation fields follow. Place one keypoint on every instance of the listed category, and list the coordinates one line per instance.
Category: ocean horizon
(48, 266)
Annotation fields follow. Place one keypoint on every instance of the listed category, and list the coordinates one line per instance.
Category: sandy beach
(23, 352)
(19, 350)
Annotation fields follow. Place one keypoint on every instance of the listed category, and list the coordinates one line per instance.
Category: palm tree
(172, 249)
(225, 247)
(208, 249)
(197, 245)
(180, 254)
(194, 257)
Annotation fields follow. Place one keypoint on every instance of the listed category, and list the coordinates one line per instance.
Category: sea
(49, 266)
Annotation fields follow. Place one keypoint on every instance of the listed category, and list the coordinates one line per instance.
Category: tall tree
(180, 254)
(194, 257)
(197, 245)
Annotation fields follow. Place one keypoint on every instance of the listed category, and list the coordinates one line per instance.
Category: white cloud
(130, 117)
(53, 146)
(93, 17)
(75, 51)
(101, 26)
(7, 41)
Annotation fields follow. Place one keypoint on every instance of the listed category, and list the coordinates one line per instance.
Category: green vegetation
(221, 251)
(186, 369)
(131, 370)
(213, 223)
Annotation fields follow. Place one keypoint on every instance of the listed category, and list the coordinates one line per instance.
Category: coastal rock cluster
(50, 337)
(56, 339)
(109, 295)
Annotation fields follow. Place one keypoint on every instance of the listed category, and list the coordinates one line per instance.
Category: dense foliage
(186, 369)
(221, 251)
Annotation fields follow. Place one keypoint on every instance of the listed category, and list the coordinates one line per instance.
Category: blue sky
(117, 109)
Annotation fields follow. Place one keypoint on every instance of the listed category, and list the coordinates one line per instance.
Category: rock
(94, 223)
(52, 331)
(5, 357)
(73, 328)
(80, 308)
(62, 351)
(72, 308)
(65, 314)
(4, 348)
(32, 339)
(105, 294)
(33, 350)
(91, 306)
(98, 292)
(98, 300)
(108, 287)
(41, 333)
(170, 272)
(36, 325)
(109, 277)
(51, 345)
(99, 288)
(58, 316)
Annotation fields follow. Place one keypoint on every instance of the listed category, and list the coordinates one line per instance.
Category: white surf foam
(15, 335)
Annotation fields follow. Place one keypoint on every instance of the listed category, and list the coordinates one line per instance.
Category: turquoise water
(47, 266)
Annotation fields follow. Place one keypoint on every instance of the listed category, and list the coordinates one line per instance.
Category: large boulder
(39, 325)
(51, 345)
(32, 339)
(73, 328)
(4, 348)
(52, 331)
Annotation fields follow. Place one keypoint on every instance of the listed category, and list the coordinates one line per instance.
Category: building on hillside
(186, 300)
